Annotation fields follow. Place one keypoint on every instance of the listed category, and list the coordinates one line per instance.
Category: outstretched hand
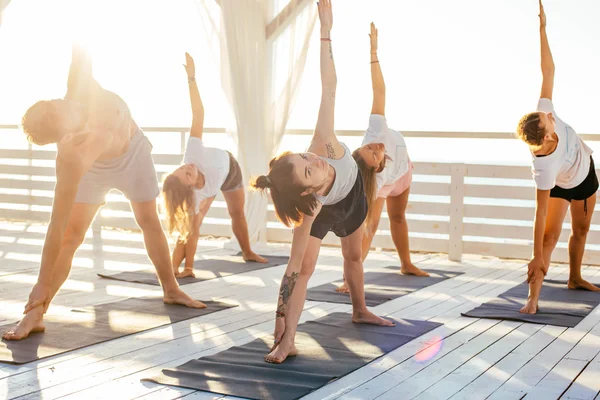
(536, 270)
(542, 15)
(190, 67)
(325, 14)
(373, 37)
(39, 296)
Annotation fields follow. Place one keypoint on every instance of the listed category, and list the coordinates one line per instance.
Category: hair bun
(262, 182)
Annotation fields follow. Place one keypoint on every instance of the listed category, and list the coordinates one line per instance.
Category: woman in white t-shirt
(387, 173)
(317, 192)
(564, 175)
(189, 191)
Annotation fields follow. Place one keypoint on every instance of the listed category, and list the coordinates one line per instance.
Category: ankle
(171, 291)
(360, 311)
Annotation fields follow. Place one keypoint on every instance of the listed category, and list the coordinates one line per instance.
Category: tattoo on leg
(330, 151)
(287, 287)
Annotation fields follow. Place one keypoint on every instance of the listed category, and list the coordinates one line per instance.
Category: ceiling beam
(284, 18)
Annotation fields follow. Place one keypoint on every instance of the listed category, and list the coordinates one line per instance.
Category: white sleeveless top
(346, 171)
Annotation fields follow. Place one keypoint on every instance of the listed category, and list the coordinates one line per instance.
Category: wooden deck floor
(479, 358)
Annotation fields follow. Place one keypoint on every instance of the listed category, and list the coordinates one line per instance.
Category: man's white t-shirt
(395, 148)
(212, 163)
(569, 164)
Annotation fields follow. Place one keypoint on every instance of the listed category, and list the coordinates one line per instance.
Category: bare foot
(343, 288)
(580, 284)
(179, 297)
(367, 317)
(410, 269)
(531, 307)
(252, 256)
(31, 323)
(281, 352)
(186, 272)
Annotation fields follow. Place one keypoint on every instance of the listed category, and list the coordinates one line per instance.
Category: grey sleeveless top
(345, 176)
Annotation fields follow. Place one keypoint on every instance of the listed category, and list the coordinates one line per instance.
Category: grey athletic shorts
(132, 173)
(234, 179)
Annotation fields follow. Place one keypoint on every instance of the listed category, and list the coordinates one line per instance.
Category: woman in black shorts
(317, 192)
(189, 191)
(564, 174)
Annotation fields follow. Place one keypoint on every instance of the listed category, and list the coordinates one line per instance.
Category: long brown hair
(529, 130)
(179, 205)
(369, 177)
(290, 205)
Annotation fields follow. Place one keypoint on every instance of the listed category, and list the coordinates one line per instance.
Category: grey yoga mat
(204, 270)
(92, 325)
(381, 286)
(559, 305)
(329, 348)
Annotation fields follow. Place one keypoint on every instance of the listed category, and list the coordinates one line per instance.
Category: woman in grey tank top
(317, 192)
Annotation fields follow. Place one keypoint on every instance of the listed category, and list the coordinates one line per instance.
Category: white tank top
(345, 177)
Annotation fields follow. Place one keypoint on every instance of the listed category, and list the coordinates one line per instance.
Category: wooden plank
(425, 208)
(500, 372)
(430, 188)
(587, 385)
(431, 168)
(514, 232)
(500, 192)
(523, 252)
(500, 212)
(26, 170)
(476, 366)
(557, 380)
(499, 171)
(457, 197)
(513, 213)
(26, 184)
(536, 370)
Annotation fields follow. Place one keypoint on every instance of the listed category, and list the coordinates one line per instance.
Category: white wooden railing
(454, 208)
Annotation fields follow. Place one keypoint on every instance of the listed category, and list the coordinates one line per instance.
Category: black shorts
(344, 217)
(583, 191)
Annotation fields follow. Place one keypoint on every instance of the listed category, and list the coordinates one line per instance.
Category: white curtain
(3, 5)
(261, 76)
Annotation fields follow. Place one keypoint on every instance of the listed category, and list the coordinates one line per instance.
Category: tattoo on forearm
(287, 287)
(330, 151)
(330, 51)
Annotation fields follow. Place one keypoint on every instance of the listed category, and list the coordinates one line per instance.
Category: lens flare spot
(430, 349)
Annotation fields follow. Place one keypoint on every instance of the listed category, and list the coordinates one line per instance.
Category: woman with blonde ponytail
(387, 172)
(189, 191)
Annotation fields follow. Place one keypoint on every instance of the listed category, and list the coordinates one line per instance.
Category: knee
(371, 228)
(352, 255)
(397, 217)
(148, 220)
(551, 238)
(580, 230)
(73, 237)
(236, 215)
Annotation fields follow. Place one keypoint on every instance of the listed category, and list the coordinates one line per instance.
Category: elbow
(330, 87)
(379, 90)
(548, 70)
